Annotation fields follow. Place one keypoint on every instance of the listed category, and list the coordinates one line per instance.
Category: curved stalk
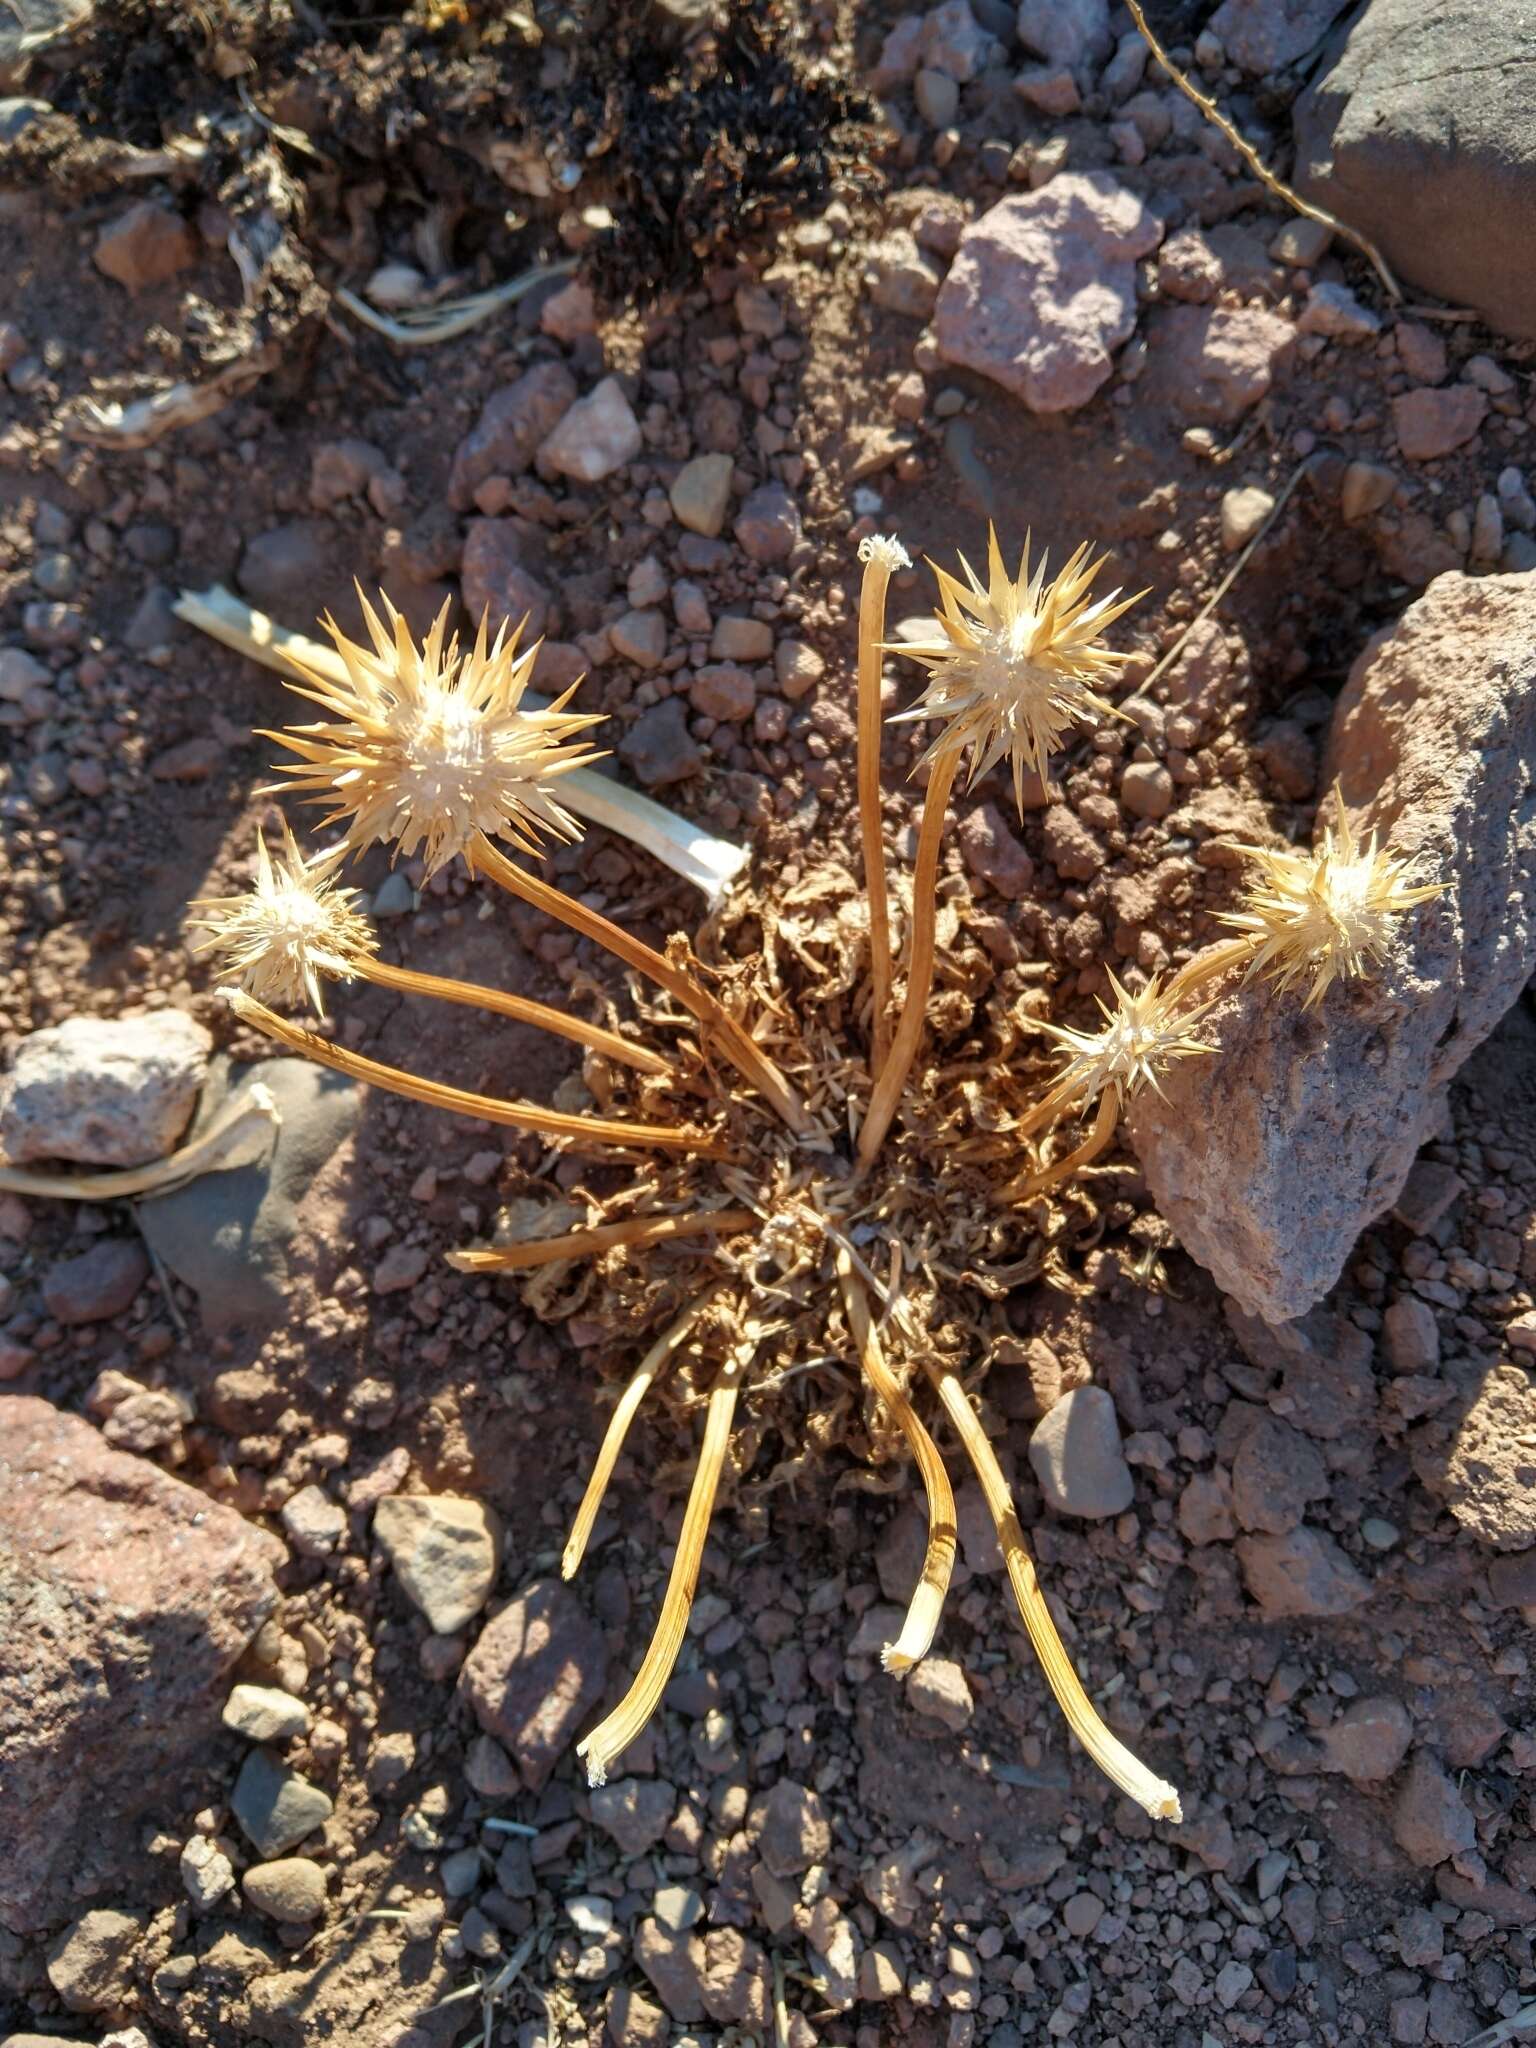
(646, 1375)
(743, 1051)
(1030, 1184)
(878, 563)
(914, 1010)
(585, 1244)
(1118, 1764)
(522, 1116)
(1207, 966)
(617, 1731)
(917, 1631)
(608, 1043)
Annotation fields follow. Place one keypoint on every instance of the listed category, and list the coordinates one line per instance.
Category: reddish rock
(1261, 36)
(147, 245)
(1275, 1473)
(496, 584)
(97, 1284)
(1213, 363)
(1302, 1573)
(675, 1965)
(1043, 289)
(506, 437)
(114, 1659)
(736, 1987)
(768, 524)
(1432, 423)
(1431, 1821)
(538, 1668)
(1369, 1740)
(1270, 1158)
(792, 1829)
(993, 852)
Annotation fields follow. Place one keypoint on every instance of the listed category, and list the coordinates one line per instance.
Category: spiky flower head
(295, 926)
(1019, 660)
(1327, 914)
(430, 745)
(1142, 1035)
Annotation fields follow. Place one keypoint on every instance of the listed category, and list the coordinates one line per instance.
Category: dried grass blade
(927, 1604)
(602, 1237)
(647, 1373)
(613, 1735)
(525, 1011)
(522, 1116)
(1029, 1185)
(1117, 1762)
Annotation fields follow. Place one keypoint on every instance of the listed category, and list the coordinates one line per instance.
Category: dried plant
(808, 1195)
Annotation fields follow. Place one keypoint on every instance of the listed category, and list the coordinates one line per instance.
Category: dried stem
(608, 1043)
(649, 1370)
(1256, 163)
(1030, 1184)
(522, 1116)
(1209, 966)
(914, 1010)
(743, 1052)
(922, 1620)
(877, 576)
(585, 1244)
(614, 1734)
(1117, 1763)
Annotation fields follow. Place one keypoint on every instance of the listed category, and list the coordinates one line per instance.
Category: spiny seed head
(1143, 1034)
(430, 745)
(1327, 914)
(1017, 665)
(295, 926)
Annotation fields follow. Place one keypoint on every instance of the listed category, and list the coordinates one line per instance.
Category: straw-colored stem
(739, 1048)
(608, 1043)
(585, 1244)
(1027, 1185)
(1051, 1105)
(648, 1372)
(1209, 966)
(522, 1116)
(914, 1010)
(917, 1631)
(1117, 1763)
(241, 1133)
(877, 576)
(617, 1731)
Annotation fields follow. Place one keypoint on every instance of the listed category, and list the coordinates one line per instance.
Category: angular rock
(1369, 1740)
(229, 1236)
(147, 245)
(1072, 32)
(265, 1713)
(291, 1889)
(700, 493)
(1043, 289)
(96, 1285)
(206, 1872)
(598, 435)
(538, 1667)
(1261, 36)
(737, 1986)
(1270, 1158)
(768, 524)
(1275, 1473)
(103, 1091)
(275, 1805)
(994, 852)
(1301, 1573)
(659, 747)
(1433, 423)
(1076, 1455)
(1478, 1456)
(635, 1812)
(90, 1965)
(723, 691)
(115, 1641)
(675, 1965)
(1213, 363)
(1431, 1822)
(1435, 100)
(938, 1690)
(901, 277)
(792, 1829)
(497, 584)
(511, 427)
(446, 1553)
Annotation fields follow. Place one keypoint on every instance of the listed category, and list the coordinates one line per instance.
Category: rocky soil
(289, 1683)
